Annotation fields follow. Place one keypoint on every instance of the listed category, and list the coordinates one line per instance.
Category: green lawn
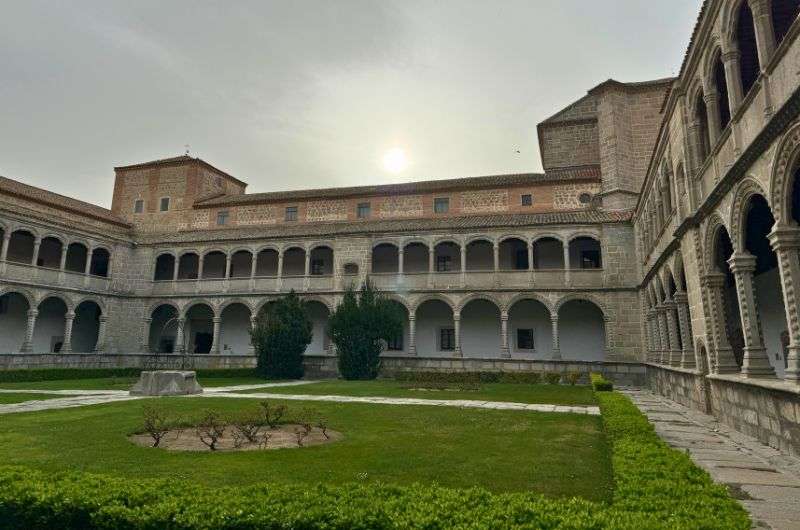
(6, 399)
(521, 393)
(554, 454)
(120, 383)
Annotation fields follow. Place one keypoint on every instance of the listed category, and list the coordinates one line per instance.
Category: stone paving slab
(462, 403)
(67, 392)
(238, 388)
(766, 481)
(64, 403)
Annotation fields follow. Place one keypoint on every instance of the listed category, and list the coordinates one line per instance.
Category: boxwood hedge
(656, 487)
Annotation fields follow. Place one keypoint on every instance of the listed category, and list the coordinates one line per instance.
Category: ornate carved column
(4, 248)
(66, 345)
(765, 36)
(505, 352)
(687, 355)
(663, 333)
(655, 339)
(100, 347)
(755, 362)
(412, 334)
(733, 77)
(556, 339)
(144, 340)
(36, 244)
(463, 279)
(401, 261)
(785, 240)
(251, 348)
(530, 255)
(565, 249)
(216, 345)
(496, 256)
(674, 356)
(180, 340)
(711, 97)
(27, 346)
(457, 333)
(724, 363)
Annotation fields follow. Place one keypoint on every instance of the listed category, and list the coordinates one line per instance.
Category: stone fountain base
(166, 383)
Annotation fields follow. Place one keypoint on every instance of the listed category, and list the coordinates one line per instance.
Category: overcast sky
(298, 94)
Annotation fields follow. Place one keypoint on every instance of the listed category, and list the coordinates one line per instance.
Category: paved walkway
(461, 403)
(766, 481)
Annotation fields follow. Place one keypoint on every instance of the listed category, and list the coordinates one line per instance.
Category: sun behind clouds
(395, 160)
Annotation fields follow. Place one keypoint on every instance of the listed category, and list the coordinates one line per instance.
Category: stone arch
(267, 246)
(784, 168)
(713, 223)
(432, 296)
(506, 237)
(235, 317)
(743, 192)
(679, 270)
(24, 293)
(52, 294)
(478, 296)
(447, 239)
(589, 297)
(543, 235)
(329, 304)
(95, 300)
(17, 303)
(483, 237)
(587, 334)
(529, 296)
(201, 301)
(400, 300)
(702, 356)
(481, 332)
(155, 305)
(49, 329)
(237, 300)
(263, 303)
(395, 242)
(658, 289)
(699, 116)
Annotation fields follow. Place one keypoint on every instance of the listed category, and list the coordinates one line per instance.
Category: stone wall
(768, 410)
(127, 360)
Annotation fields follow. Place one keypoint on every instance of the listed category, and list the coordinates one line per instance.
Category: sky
(306, 94)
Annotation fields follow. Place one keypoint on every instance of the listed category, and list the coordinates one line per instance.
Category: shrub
(552, 378)
(360, 327)
(156, 423)
(272, 414)
(281, 335)
(247, 424)
(600, 383)
(211, 428)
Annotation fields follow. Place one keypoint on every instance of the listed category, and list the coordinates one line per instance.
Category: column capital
(669, 304)
(554, 318)
(104, 318)
(713, 279)
(147, 320)
(456, 315)
(742, 263)
(784, 236)
(32, 313)
(504, 314)
(681, 297)
(216, 320)
(69, 315)
(731, 56)
(412, 316)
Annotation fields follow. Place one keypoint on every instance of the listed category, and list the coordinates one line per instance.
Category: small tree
(281, 335)
(360, 327)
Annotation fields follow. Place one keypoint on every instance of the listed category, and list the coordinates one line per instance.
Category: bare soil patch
(281, 437)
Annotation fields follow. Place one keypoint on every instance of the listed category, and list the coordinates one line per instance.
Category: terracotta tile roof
(576, 173)
(321, 230)
(179, 160)
(48, 198)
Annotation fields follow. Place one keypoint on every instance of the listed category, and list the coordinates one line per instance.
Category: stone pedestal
(166, 383)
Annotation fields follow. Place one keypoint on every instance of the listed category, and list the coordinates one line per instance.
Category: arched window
(784, 12)
(703, 140)
(720, 83)
(748, 50)
(100, 262)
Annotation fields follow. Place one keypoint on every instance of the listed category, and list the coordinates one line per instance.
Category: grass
(521, 393)
(559, 455)
(7, 399)
(120, 383)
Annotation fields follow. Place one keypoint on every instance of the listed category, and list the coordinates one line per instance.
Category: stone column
(400, 260)
(27, 346)
(88, 268)
(755, 362)
(724, 361)
(4, 248)
(431, 260)
(555, 337)
(63, 263)
(36, 244)
(100, 347)
(175, 268)
(714, 126)
(765, 36)
(251, 348)
(200, 262)
(412, 334)
(144, 343)
(687, 355)
(530, 255)
(674, 356)
(253, 265)
(463, 279)
(227, 266)
(655, 338)
(663, 333)
(785, 241)
(279, 280)
(66, 345)
(565, 249)
(179, 335)
(733, 77)
(457, 333)
(216, 345)
(505, 351)
(496, 256)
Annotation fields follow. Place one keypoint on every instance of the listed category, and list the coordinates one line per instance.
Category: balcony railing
(24, 272)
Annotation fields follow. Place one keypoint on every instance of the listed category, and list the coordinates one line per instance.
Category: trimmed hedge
(56, 374)
(656, 487)
(600, 383)
(530, 378)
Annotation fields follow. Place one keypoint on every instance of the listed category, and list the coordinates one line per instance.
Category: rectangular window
(441, 205)
(164, 204)
(590, 259)
(527, 199)
(222, 218)
(444, 263)
(291, 213)
(138, 206)
(395, 343)
(447, 339)
(317, 267)
(524, 339)
(363, 210)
